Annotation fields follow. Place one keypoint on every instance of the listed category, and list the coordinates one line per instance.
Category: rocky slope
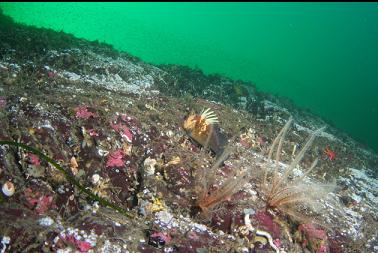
(114, 123)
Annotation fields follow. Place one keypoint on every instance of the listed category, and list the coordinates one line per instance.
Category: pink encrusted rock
(315, 237)
(267, 221)
(126, 133)
(93, 132)
(34, 159)
(44, 203)
(82, 246)
(31, 196)
(123, 130)
(115, 159)
(322, 249)
(277, 242)
(83, 113)
(164, 236)
(41, 202)
(126, 126)
(312, 232)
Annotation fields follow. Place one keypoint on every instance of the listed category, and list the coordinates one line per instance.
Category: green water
(321, 55)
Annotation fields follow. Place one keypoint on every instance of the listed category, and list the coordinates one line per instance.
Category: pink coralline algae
(322, 249)
(277, 242)
(83, 113)
(267, 222)
(312, 232)
(115, 159)
(123, 130)
(126, 126)
(82, 246)
(34, 159)
(165, 237)
(42, 203)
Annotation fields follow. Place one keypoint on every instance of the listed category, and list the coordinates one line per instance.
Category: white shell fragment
(103, 152)
(4, 242)
(8, 188)
(95, 179)
(149, 166)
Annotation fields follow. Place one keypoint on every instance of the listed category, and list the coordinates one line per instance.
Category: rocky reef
(114, 124)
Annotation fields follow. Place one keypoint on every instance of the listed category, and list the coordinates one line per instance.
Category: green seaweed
(69, 177)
